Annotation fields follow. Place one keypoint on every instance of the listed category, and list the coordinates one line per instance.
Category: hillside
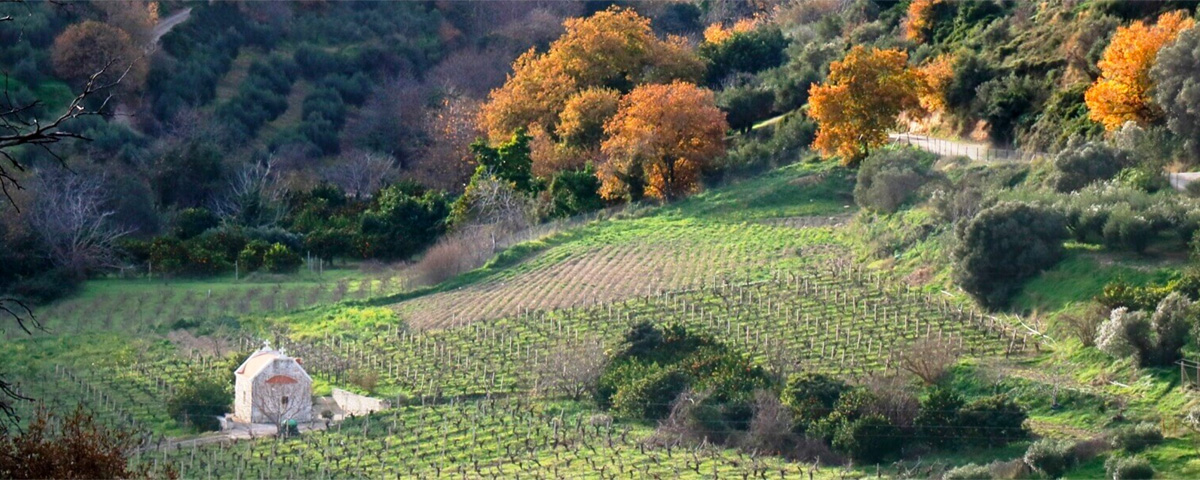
(602, 239)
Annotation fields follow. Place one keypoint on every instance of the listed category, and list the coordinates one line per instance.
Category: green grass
(1082, 275)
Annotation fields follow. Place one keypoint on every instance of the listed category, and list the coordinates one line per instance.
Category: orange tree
(86, 48)
(660, 140)
(615, 48)
(860, 101)
(1123, 91)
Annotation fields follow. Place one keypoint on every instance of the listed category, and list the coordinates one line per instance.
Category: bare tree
(927, 358)
(495, 204)
(279, 401)
(771, 427)
(572, 368)
(361, 173)
(19, 126)
(255, 196)
(70, 218)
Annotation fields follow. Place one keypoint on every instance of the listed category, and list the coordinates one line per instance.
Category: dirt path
(166, 24)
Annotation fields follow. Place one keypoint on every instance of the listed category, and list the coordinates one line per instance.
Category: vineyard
(838, 320)
(509, 438)
(141, 305)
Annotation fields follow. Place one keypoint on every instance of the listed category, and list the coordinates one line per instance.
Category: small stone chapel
(271, 387)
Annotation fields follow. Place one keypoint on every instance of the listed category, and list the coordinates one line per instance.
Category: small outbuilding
(271, 387)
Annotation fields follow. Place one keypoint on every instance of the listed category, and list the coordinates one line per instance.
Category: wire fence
(978, 152)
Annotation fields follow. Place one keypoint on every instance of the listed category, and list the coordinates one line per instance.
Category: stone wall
(354, 404)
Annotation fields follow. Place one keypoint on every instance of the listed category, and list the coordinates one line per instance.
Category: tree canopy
(1122, 93)
(660, 140)
(860, 101)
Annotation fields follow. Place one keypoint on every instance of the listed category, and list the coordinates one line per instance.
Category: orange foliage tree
(1122, 93)
(935, 77)
(86, 48)
(920, 19)
(660, 140)
(718, 33)
(860, 101)
(615, 48)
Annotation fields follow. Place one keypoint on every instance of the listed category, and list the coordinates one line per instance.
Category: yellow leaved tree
(660, 140)
(1123, 91)
(860, 101)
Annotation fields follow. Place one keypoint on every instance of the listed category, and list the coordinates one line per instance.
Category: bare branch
(19, 127)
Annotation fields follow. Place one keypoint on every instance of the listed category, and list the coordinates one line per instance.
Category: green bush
(199, 401)
(811, 396)
(194, 221)
(1127, 230)
(573, 192)
(868, 439)
(405, 219)
(889, 178)
(1142, 179)
(745, 105)
(1135, 438)
(969, 471)
(1075, 168)
(281, 259)
(748, 52)
(992, 421)
(937, 420)
(650, 397)
(251, 257)
(1051, 457)
(1128, 468)
(1002, 246)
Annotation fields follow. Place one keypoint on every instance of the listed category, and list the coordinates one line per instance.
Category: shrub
(649, 397)
(251, 257)
(199, 401)
(1142, 179)
(889, 178)
(1128, 468)
(937, 419)
(194, 221)
(811, 396)
(1051, 457)
(573, 192)
(1154, 341)
(1075, 168)
(1126, 230)
(1003, 246)
(745, 105)
(405, 219)
(281, 259)
(969, 471)
(868, 439)
(992, 421)
(1170, 324)
(748, 52)
(1135, 438)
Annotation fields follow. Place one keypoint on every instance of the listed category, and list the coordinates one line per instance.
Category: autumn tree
(660, 140)
(615, 48)
(581, 122)
(922, 17)
(860, 101)
(89, 47)
(935, 78)
(135, 17)
(1123, 91)
(72, 446)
